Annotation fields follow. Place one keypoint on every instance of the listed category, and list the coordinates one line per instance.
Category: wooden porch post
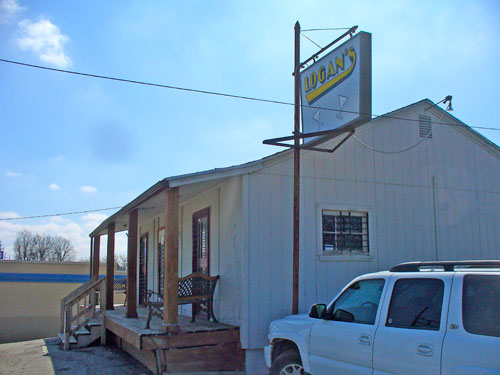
(132, 264)
(171, 263)
(110, 267)
(96, 255)
(91, 268)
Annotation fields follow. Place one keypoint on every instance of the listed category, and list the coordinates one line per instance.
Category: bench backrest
(120, 284)
(197, 285)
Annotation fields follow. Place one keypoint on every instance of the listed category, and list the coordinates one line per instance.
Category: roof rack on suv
(445, 266)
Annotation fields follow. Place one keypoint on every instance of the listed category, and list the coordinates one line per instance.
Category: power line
(147, 83)
(60, 214)
(223, 94)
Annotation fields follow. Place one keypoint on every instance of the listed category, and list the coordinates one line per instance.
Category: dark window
(201, 241)
(345, 232)
(143, 268)
(416, 304)
(481, 304)
(161, 259)
(361, 300)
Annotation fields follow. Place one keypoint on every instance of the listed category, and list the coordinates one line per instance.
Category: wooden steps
(82, 319)
(83, 336)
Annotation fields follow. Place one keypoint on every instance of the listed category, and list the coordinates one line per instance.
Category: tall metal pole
(296, 174)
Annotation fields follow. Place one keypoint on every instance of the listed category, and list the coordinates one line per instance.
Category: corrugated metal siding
(397, 188)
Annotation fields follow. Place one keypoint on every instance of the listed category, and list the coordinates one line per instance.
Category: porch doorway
(201, 241)
(143, 268)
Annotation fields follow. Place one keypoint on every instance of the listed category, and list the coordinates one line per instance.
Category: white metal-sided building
(415, 184)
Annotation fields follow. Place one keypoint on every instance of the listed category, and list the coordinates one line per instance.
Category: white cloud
(12, 174)
(8, 214)
(54, 186)
(8, 10)
(88, 189)
(94, 217)
(75, 230)
(46, 40)
(92, 221)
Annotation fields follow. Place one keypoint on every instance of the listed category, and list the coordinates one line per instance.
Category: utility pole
(296, 173)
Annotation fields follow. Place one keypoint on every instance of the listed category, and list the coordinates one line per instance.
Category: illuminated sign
(336, 89)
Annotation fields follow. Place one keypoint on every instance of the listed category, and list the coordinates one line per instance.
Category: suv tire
(287, 363)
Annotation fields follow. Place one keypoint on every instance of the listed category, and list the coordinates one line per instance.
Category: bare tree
(62, 250)
(42, 246)
(34, 246)
(23, 245)
(120, 262)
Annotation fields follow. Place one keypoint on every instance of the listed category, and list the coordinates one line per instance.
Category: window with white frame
(345, 232)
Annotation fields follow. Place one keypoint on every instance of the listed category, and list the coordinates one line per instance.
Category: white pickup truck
(419, 318)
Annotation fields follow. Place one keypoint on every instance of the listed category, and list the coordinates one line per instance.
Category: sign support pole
(296, 137)
(296, 173)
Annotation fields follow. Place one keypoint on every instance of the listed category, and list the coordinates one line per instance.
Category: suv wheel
(287, 363)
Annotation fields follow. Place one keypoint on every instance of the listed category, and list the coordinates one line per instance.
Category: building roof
(252, 166)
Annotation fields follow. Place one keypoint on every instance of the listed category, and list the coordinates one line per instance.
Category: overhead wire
(208, 92)
(433, 128)
(59, 214)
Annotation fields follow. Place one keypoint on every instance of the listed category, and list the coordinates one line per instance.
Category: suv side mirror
(317, 311)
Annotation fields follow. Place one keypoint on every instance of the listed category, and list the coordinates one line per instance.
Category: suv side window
(416, 304)
(359, 303)
(481, 304)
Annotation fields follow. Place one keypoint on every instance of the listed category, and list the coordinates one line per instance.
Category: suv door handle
(425, 350)
(365, 340)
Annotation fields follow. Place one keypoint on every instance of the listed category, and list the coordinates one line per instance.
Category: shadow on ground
(45, 357)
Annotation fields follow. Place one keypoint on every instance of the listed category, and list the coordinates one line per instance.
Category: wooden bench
(196, 289)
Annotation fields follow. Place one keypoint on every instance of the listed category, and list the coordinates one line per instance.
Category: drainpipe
(436, 256)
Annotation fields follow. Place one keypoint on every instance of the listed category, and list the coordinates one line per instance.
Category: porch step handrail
(78, 292)
(85, 299)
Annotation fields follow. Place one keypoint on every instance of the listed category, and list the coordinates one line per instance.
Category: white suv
(418, 318)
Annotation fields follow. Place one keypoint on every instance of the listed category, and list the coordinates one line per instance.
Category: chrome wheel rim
(292, 369)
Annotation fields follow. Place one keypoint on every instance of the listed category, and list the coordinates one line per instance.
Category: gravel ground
(45, 357)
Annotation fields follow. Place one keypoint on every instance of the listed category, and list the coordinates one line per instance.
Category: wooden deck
(198, 346)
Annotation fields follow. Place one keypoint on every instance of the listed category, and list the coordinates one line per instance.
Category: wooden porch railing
(80, 306)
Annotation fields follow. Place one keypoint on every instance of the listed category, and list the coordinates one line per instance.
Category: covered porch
(170, 235)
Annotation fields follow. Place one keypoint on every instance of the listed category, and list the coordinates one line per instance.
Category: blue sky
(72, 143)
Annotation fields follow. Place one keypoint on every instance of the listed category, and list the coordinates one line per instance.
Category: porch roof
(216, 174)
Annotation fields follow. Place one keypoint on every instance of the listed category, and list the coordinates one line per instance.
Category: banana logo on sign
(329, 75)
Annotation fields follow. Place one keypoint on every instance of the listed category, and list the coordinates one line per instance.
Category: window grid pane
(345, 232)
